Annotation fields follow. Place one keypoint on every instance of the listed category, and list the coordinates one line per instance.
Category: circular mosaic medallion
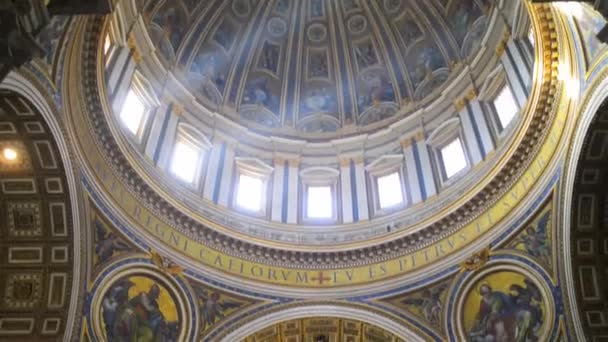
(140, 304)
(504, 303)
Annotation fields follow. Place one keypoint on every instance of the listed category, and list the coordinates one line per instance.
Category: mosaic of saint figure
(213, 308)
(513, 315)
(535, 238)
(430, 303)
(107, 243)
(258, 92)
(461, 16)
(374, 89)
(319, 99)
(134, 311)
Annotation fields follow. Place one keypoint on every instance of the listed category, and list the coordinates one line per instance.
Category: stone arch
(323, 310)
(66, 190)
(578, 147)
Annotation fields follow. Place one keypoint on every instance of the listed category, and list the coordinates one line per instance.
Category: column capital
(293, 162)
(278, 160)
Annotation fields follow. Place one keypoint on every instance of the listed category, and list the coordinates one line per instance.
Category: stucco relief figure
(515, 316)
(134, 311)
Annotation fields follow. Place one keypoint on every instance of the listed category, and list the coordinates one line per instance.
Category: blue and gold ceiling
(316, 66)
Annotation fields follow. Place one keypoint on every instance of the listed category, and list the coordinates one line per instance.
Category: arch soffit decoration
(590, 105)
(324, 310)
(23, 84)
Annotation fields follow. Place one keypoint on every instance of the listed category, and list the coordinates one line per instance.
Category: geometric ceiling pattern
(315, 66)
(322, 329)
(36, 235)
(589, 232)
(298, 66)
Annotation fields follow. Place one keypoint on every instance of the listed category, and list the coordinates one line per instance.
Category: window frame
(108, 44)
(496, 81)
(141, 127)
(500, 129)
(382, 167)
(255, 168)
(441, 137)
(143, 90)
(402, 194)
(458, 173)
(332, 191)
(189, 135)
(320, 177)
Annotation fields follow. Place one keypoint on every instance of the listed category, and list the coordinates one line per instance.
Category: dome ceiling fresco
(316, 66)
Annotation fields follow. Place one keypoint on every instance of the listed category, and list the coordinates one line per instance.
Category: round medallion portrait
(505, 305)
(140, 306)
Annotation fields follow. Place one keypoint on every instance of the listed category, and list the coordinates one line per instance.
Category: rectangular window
(107, 44)
(389, 190)
(453, 157)
(133, 112)
(506, 107)
(250, 193)
(531, 36)
(319, 202)
(185, 161)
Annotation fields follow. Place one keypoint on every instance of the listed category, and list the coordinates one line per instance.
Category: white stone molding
(322, 310)
(23, 86)
(595, 100)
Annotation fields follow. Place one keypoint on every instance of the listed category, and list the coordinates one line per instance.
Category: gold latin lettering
(302, 277)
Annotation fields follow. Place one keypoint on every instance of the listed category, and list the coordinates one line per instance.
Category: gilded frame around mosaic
(134, 299)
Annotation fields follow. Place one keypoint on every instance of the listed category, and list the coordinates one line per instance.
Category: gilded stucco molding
(594, 96)
(538, 119)
(280, 313)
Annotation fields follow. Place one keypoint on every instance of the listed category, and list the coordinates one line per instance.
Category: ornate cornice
(538, 118)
